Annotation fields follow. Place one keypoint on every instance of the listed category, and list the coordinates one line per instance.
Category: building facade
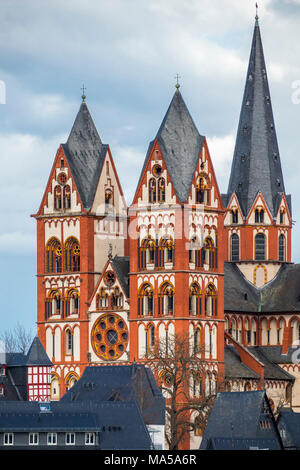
(113, 281)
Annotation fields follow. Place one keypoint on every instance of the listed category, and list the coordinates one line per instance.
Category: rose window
(110, 337)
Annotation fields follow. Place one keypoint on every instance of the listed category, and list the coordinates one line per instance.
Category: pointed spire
(85, 154)
(180, 143)
(256, 163)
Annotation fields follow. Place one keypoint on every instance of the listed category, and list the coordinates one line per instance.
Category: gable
(108, 189)
(119, 266)
(259, 205)
(204, 178)
(60, 180)
(233, 207)
(155, 169)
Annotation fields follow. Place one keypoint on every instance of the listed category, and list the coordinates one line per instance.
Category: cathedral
(114, 280)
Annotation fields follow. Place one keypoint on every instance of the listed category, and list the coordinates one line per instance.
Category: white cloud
(26, 162)
(221, 152)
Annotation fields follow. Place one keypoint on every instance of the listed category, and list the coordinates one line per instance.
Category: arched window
(259, 216)
(247, 387)
(53, 259)
(57, 198)
(116, 298)
(209, 253)
(234, 216)
(197, 341)
(72, 255)
(166, 299)
(69, 342)
(71, 380)
(235, 247)
(152, 190)
(102, 299)
(281, 247)
(211, 301)
(108, 198)
(145, 300)
(165, 251)
(72, 302)
(147, 252)
(202, 190)
(195, 251)
(195, 299)
(260, 247)
(53, 304)
(67, 196)
(161, 190)
(150, 339)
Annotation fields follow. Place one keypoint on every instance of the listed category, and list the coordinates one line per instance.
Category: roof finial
(83, 94)
(177, 86)
(256, 16)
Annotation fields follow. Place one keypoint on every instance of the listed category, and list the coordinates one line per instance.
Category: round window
(109, 336)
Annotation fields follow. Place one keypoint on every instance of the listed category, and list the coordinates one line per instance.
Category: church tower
(258, 219)
(82, 206)
(176, 239)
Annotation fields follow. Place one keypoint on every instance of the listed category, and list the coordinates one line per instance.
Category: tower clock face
(109, 337)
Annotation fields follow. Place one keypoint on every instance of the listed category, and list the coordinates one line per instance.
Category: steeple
(85, 154)
(180, 143)
(256, 163)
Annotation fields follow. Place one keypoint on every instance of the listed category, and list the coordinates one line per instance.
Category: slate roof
(124, 384)
(235, 368)
(237, 415)
(289, 421)
(275, 355)
(256, 162)
(85, 155)
(180, 143)
(37, 354)
(121, 425)
(121, 267)
(15, 380)
(271, 369)
(239, 294)
(282, 294)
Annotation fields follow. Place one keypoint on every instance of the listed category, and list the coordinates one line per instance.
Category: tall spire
(256, 163)
(85, 154)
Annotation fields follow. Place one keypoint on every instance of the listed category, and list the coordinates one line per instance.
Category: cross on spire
(83, 94)
(177, 86)
(256, 16)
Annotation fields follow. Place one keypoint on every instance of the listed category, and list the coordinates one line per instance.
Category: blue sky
(127, 53)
